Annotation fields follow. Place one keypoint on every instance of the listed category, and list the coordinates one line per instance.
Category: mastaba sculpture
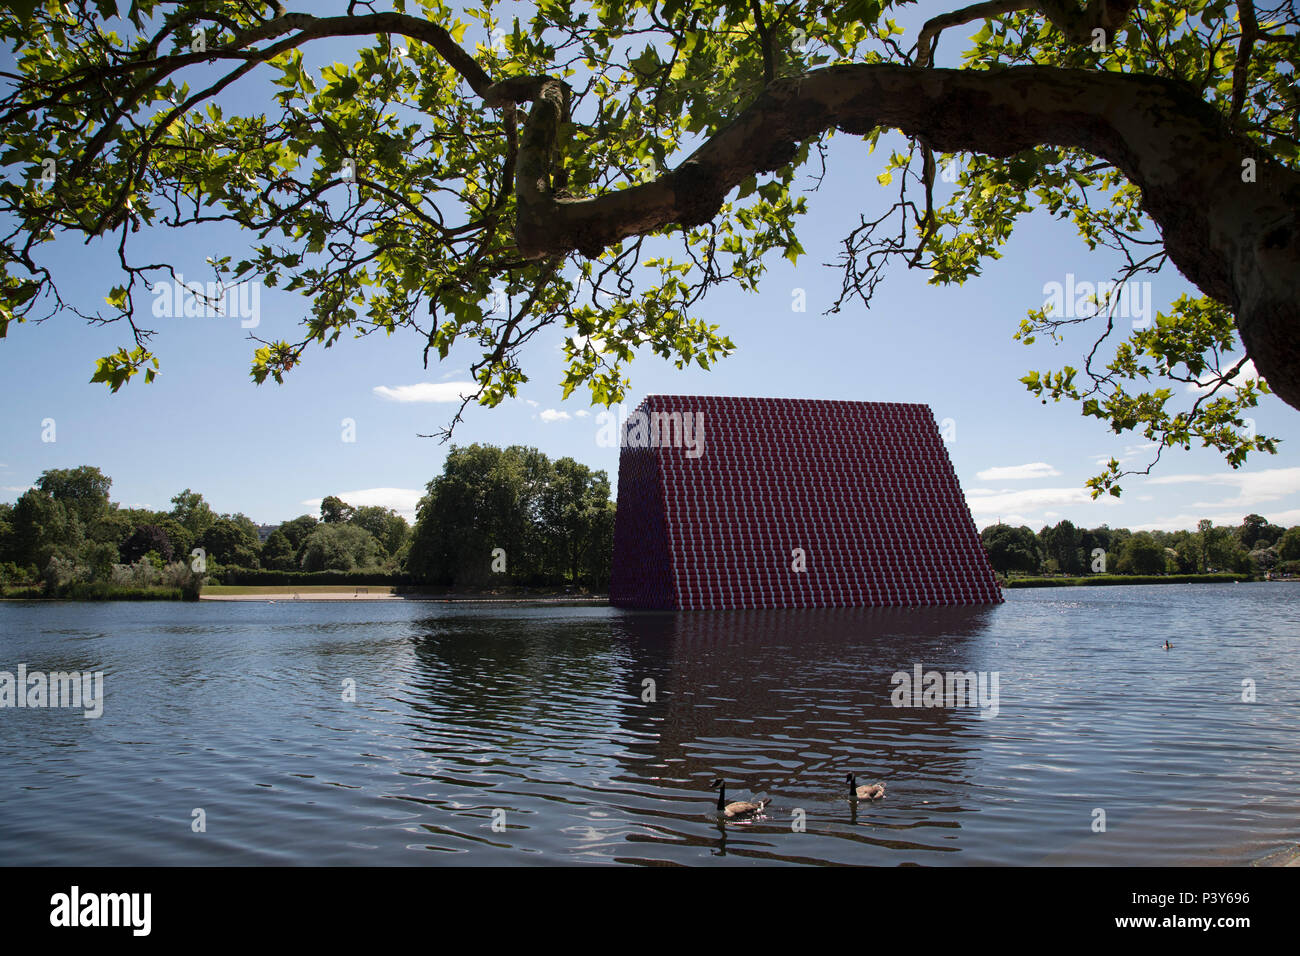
(770, 502)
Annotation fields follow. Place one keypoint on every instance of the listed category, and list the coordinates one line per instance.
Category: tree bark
(1236, 240)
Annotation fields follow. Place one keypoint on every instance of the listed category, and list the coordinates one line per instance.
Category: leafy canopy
(386, 189)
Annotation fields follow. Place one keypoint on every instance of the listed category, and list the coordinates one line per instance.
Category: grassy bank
(101, 591)
(304, 580)
(1103, 580)
(223, 590)
(286, 592)
(94, 591)
(385, 589)
(511, 591)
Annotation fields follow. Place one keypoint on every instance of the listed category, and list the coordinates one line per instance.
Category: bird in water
(870, 791)
(740, 809)
(1168, 646)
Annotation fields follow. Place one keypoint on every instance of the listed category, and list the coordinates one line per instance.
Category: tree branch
(1238, 242)
(1076, 23)
(1241, 70)
(929, 36)
(764, 42)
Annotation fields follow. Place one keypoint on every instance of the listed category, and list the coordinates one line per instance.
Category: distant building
(763, 502)
(264, 531)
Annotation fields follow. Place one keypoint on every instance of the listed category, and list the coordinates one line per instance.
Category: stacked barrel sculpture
(769, 503)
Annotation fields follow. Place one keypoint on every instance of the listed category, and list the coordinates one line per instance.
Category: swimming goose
(740, 810)
(871, 791)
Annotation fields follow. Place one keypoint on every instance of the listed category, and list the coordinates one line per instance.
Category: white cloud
(1038, 469)
(401, 500)
(531, 403)
(1008, 502)
(1253, 488)
(551, 415)
(1246, 374)
(580, 342)
(1130, 454)
(582, 413)
(427, 391)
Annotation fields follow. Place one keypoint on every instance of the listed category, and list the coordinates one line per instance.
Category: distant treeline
(495, 516)
(1254, 548)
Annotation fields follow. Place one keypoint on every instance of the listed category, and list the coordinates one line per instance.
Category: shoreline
(300, 597)
(1120, 580)
(1287, 856)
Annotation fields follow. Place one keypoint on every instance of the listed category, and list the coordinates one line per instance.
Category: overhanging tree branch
(1237, 240)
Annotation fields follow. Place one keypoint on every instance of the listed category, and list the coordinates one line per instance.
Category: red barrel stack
(769, 502)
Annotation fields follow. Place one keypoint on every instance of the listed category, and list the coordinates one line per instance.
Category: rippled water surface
(468, 719)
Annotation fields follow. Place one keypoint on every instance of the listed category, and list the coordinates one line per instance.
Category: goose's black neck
(722, 796)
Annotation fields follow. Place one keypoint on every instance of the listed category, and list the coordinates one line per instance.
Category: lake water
(517, 735)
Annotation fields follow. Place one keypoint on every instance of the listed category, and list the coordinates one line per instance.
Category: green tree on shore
(1141, 554)
(230, 541)
(386, 525)
(298, 530)
(573, 511)
(278, 553)
(334, 510)
(1011, 549)
(1288, 548)
(193, 513)
(510, 515)
(1063, 544)
(83, 490)
(338, 546)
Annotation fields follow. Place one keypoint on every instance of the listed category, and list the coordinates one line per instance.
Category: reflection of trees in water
(494, 669)
(786, 701)
(777, 701)
(757, 695)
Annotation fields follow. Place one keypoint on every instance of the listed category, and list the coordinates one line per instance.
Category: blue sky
(273, 451)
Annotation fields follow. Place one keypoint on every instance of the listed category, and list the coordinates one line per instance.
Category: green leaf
(25, 8)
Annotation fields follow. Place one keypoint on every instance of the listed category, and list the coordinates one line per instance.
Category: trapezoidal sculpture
(771, 502)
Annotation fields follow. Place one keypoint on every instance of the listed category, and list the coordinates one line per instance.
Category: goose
(873, 791)
(1168, 646)
(739, 810)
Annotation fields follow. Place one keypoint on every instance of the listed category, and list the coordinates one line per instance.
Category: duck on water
(868, 791)
(740, 809)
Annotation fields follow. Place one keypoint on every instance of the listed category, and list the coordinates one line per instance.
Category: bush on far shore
(1104, 579)
(66, 578)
